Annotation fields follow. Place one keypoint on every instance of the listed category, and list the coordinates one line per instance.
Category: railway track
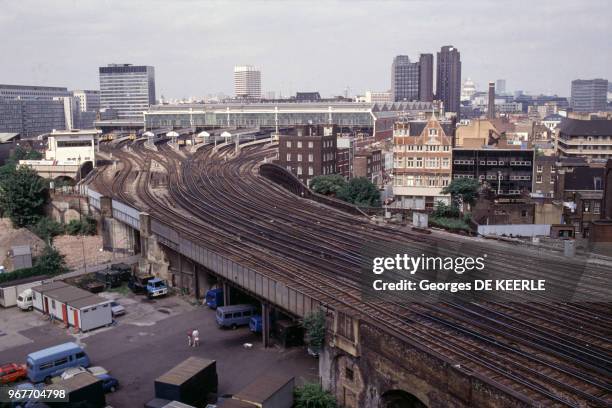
(553, 355)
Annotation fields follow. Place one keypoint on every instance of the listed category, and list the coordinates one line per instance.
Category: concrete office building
(247, 82)
(31, 118)
(26, 92)
(426, 62)
(500, 85)
(405, 79)
(589, 95)
(128, 89)
(32, 110)
(448, 78)
(88, 100)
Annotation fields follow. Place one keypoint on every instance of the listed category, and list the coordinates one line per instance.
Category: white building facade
(76, 146)
(247, 82)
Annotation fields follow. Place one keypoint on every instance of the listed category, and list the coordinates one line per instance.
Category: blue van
(52, 361)
(235, 315)
(214, 298)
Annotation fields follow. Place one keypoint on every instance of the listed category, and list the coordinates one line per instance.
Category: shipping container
(83, 391)
(268, 391)
(190, 382)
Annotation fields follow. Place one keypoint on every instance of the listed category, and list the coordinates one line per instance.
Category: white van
(24, 300)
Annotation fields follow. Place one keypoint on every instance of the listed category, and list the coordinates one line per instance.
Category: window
(310, 145)
(288, 156)
(410, 162)
(46, 366)
(523, 213)
(289, 168)
(538, 178)
(540, 168)
(53, 304)
(445, 162)
(419, 162)
(410, 181)
(237, 315)
(596, 207)
(433, 132)
(310, 171)
(288, 143)
(310, 157)
(299, 145)
(299, 170)
(586, 206)
(61, 361)
(349, 374)
(299, 157)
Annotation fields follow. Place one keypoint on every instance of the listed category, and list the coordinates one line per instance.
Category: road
(137, 353)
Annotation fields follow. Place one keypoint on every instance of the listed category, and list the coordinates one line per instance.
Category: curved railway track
(553, 355)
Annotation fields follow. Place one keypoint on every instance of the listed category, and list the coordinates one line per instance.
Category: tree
(327, 185)
(463, 191)
(85, 226)
(360, 191)
(312, 395)
(50, 262)
(22, 196)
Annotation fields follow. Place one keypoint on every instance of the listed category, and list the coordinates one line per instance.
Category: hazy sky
(536, 45)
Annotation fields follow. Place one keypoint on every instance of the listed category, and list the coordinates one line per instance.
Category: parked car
(109, 383)
(235, 315)
(45, 364)
(117, 309)
(12, 372)
(24, 300)
(71, 372)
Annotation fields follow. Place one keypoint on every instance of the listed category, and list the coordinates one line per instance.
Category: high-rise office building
(128, 89)
(448, 78)
(589, 95)
(26, 92)
(404, 79)
(500, 86)
(426, 62)
(491, 102)
(247, 82)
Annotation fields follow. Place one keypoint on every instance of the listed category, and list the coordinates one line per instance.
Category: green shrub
(85, 226)
(451, 224)
(312, 395)
(47, 228)
(314, 325)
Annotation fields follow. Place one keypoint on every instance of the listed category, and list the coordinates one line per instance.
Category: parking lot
(150, 339)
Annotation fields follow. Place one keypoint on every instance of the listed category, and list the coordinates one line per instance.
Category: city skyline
(194, 53)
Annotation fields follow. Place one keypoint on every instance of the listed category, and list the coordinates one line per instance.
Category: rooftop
(595, 127)
(7, 137)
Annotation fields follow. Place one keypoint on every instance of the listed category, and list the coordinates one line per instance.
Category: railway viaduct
(363, 366)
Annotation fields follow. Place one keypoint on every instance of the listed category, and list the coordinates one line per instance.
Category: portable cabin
(90, 313)
(39, 291)
(11, 289)
(58, 299)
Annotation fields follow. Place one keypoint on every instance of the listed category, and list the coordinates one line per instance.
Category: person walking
(189, 338)
(195, 337)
